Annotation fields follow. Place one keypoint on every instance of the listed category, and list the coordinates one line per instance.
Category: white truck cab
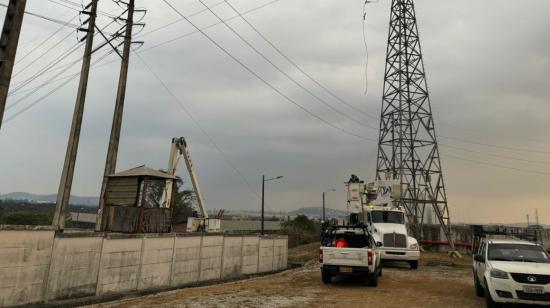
(387, 226)
(511, 271)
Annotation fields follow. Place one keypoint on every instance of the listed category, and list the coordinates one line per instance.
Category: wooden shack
(135, 201)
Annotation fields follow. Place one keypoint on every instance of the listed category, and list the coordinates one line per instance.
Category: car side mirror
(379, 244)
(479, 258)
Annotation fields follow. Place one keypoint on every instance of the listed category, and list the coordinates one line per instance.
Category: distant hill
(318, 212)
(74, 200)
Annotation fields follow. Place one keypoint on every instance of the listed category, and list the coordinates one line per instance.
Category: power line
(496, 165)
(497, 155)
(197, 124)
(180, 20)
(48, 18)
(43, 53)
(290, 100)
(494, 145)
(298, 67)
(15, 115)
(283, 72)
(95, 65)
(208, 27)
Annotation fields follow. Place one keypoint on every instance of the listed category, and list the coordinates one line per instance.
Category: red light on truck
(341, 243)
(321, 255)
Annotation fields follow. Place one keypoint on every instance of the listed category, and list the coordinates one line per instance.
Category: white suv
(512, 271)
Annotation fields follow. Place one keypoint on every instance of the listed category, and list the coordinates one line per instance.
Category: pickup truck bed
(344, 260)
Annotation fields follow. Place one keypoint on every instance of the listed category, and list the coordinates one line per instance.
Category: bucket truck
(202, 222)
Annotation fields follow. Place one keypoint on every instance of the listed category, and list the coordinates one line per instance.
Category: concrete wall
(39, 266)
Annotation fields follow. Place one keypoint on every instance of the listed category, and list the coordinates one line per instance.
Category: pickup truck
(350, 251)
(511, 272)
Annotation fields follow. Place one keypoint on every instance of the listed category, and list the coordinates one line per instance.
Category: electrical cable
(150, 48)
(247, 68)
(18, 113)
(496, 165)
(494, 145)
(179, 20)
(207, 27)
(196, 122)
(285, 73)
(366, 46)
(293, 63)
(43, 53)
(48, 18)
(496, 155)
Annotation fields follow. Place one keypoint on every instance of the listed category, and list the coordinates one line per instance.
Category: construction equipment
(194, 224)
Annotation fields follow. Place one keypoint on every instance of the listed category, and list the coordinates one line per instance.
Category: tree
(183, 202)
(301, 230)
(1, 213)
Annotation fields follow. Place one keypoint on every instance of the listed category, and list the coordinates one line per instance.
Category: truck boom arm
(179, 147)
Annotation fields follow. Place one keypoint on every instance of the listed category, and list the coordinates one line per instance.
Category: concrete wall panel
(232, 252)
(74, 269)
(266, 255)
(120, 263)
(186, 260)
(24, 265)
(211, 258)
(251, 246)
(35, 266)
(156, 263)
(279, 254)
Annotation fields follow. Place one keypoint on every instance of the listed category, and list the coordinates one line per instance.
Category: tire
(413, 264)
(380, 271)
(479, 288)
(326, 276)
(373, 279)
(489, 302)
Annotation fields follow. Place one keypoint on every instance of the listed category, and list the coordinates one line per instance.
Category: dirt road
(439, 282)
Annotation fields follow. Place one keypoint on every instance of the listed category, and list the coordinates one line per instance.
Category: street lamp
(263, 194)
(328, 190)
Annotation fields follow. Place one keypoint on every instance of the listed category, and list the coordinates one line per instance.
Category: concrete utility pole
(112, 152)
(8, 48)
(64, 191)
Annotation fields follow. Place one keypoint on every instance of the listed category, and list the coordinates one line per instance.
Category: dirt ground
(438, 282)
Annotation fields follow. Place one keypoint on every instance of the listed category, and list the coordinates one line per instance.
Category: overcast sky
(487, 65)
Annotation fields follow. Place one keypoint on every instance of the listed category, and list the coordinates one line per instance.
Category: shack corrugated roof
(142, 171)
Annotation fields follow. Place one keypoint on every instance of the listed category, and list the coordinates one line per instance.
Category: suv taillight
(321, 255)
(370, 257)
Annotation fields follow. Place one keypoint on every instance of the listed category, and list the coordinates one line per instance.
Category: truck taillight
(370, 258)
(321, 255)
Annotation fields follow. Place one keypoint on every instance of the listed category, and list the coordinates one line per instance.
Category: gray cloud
(487, 64)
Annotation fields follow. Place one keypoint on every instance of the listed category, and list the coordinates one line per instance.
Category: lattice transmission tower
(407, 148)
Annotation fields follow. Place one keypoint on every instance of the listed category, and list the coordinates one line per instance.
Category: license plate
(345, 269)
(533, 290)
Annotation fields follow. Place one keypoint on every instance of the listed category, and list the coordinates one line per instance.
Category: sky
(487, 65)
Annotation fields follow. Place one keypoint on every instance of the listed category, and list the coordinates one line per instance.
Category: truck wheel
(373, 280)
(479, 289)
(325, 275)
(413, 264)
(380, 272)
(489, 302)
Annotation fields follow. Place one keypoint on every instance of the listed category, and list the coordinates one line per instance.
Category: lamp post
(263, 196)
(328, 190)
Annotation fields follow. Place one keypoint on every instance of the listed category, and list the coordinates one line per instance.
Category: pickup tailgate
(346, 256)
